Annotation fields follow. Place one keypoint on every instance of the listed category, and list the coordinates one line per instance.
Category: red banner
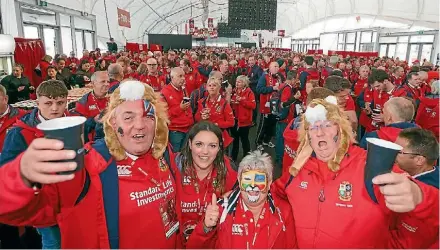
(191, 26)
(124, 18)
(281, 33)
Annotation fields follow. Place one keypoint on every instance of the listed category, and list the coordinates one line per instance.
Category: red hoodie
(291, 145)
(428, 114)
(243, 110)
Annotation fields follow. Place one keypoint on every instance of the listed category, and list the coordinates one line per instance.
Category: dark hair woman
(83, 74)
(17, 85)
(203, 171)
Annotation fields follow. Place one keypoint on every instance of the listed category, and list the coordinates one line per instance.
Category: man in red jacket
(92, 104)
(418, 158)
(334, 204)
(153, 78)
(126, 181)
(249, 218)
(179, 110)
(192, 77)
(8, 115)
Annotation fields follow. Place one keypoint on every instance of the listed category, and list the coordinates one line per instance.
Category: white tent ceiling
(170, 16)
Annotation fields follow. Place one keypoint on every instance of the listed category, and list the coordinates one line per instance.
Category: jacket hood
(430, 101)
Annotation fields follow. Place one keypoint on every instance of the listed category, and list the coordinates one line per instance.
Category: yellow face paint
(253, 178)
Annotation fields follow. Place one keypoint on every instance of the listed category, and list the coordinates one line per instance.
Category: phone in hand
(186, 99)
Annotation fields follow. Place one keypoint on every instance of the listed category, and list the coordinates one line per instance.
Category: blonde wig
(346, 137)
(160, 140)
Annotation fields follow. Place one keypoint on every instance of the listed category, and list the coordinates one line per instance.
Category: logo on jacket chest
(124, 170)
(237, 229)
(345, 191)
(93, 107)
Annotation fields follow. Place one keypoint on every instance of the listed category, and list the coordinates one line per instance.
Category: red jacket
(8, 120)
(360, 85)
(119, 203)
(90, 106)
(243, 110)
(285, 96)
(275, 228)
(365, 120)
(428, 114)
(192, 202)
(265, 89)
(220, 112)
(192, 81)
(43, 67)
(180, 120)
(156, 82)
(327, 218)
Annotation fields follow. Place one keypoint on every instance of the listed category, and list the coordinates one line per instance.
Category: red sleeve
(418, 228)
(349, 106)
(249, 102)
(278, 187)
(201, 240)
(20, 206)
(228, 116)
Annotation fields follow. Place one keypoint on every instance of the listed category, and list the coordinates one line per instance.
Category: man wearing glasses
(156, 81)
(419, 158)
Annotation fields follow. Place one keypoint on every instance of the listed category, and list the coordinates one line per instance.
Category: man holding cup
(92, 104)
(339, 198)
(125, 180)
(179, 109)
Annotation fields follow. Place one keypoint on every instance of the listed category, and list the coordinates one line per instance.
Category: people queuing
(157, 135)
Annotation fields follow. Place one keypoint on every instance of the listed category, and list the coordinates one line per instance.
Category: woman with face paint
(333, 202)
(202, 170)
(249, 218)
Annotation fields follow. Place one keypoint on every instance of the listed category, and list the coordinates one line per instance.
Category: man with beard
(249, 217)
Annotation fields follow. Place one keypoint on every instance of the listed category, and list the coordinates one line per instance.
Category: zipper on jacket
(321, 199)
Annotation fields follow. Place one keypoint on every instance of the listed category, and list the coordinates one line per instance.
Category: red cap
(416, 61)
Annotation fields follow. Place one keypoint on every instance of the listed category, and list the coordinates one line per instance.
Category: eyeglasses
(408, 153)
(323, 126)
(151, 64)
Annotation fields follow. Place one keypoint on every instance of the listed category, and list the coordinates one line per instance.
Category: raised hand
(212, 213)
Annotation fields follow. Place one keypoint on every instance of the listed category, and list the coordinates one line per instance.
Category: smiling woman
(203, 170)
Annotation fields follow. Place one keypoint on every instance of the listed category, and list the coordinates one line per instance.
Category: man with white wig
(328, 193)
(249, 217)
(123, 197)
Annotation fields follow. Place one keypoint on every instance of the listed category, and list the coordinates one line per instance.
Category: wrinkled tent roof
(168, 16)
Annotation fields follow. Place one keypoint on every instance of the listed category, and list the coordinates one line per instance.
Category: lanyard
(201, 206)
(151, 178)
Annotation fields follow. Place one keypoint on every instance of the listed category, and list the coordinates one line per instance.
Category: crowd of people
(162, 168)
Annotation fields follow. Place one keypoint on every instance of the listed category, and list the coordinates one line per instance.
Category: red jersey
(269, 83)
(141, 194)
(365, 120)
(157, 82)
(360, 85)
(193, 81)
(220, 112)
(195, 195)
(285, 96)
(90, 106)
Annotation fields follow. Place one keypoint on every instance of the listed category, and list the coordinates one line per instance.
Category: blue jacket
(255, 74)
(388, 131)
(262, 87)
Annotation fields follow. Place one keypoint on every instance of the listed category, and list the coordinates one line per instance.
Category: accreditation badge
(169, 216)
